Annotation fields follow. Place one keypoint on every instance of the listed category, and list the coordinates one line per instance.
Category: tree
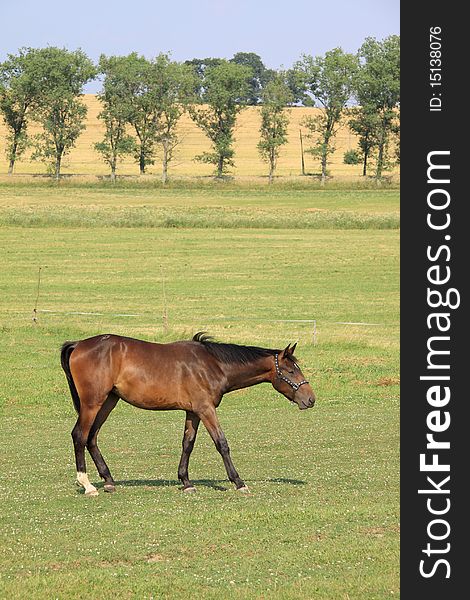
(140, 81)
(295, 80)
(396, 137)
(149, 95)
(199, 66)
(258, 78)
(274, 120)
(177, 90)
(377, 90)
(62, 75)
(351, 157)
(157, 92)
(364, 122)
(115, 114)
(328, 79)
(62, 124)
(18, 93)
(224, 87)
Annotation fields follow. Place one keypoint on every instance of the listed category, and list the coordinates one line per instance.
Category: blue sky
(279, 31)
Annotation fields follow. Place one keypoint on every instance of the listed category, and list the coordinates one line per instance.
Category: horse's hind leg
(92, 444)
(190, 432)
(80, 436)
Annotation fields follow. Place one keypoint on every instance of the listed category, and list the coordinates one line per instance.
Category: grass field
(84, 160)
(247, 264)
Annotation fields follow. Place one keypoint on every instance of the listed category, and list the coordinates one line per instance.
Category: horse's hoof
(189, 490)
(109, 487)
(244, 489)
(91, 493)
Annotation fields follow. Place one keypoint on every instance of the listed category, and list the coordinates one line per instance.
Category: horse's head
(289, 380)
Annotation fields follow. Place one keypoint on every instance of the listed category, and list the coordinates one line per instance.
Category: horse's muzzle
(307, 404)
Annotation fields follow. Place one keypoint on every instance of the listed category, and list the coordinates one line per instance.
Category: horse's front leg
(190, 431)
(211, 423)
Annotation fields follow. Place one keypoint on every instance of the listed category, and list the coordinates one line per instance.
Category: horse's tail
(66, 351)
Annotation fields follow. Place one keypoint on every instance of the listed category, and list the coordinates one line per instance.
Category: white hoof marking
(82, 479)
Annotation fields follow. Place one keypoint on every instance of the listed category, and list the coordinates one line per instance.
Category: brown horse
(187, 375)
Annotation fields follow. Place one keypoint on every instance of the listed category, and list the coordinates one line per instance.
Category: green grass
(322, 519)
(182, 205)
(199, 218)
(358, 198)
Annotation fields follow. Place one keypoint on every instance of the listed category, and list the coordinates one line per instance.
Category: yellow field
(84, 160)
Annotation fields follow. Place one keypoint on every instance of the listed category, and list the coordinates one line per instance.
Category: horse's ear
(286, 352)
(292, 350)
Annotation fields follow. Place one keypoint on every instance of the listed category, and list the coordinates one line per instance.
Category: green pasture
(202, 205)
(322, 519)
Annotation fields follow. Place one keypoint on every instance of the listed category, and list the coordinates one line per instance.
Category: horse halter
(294, 386)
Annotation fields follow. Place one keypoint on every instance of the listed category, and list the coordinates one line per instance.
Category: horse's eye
(291, 372)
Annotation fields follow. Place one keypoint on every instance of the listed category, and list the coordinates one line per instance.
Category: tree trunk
(14, 148)
(382, 148)
(57, 166)
(323, 168)
(220, 167)
(113, 172)
(380, 160)
(272, 166)
(165, 163)
(364, 164)
(142, 163)
(302, 153)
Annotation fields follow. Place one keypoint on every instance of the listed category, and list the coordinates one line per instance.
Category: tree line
(142, 101)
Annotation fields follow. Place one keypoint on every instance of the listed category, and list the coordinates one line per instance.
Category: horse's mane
(233, 353)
